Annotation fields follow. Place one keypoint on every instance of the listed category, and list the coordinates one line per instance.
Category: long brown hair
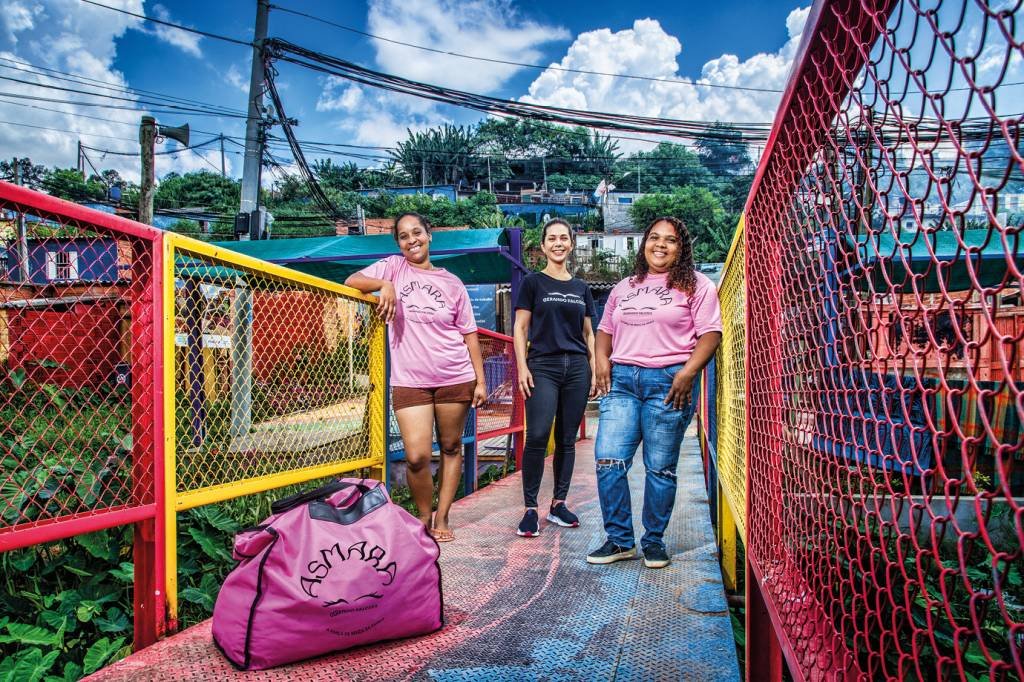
(682, 275)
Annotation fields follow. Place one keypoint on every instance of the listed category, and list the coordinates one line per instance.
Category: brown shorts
(402, 396)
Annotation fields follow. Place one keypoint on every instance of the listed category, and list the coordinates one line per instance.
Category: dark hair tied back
(552, 223)
(423, 221)
(682, 275)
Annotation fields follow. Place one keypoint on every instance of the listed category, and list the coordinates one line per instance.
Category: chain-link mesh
(731, 385)
(501, 414)
(887, 487)
(503, 411)
(272, 374)
(76, 368)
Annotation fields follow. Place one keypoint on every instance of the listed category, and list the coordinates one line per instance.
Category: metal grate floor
(530, 609)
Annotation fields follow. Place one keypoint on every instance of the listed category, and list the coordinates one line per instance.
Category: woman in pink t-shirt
(437, 371)
(660, 327)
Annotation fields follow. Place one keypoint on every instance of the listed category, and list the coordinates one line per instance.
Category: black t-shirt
(557, 310)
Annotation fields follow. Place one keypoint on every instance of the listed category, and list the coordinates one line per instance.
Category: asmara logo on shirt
(639, 305)
(421, 302)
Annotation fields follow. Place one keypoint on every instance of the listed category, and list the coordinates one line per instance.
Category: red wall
(285, 323)
(82, 339)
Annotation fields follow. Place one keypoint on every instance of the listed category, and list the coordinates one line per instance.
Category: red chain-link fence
(502, 413)
(886, 388)
(80, 414)
(78, 309)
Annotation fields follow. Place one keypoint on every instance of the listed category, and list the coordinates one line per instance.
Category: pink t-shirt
(426, 337)
(654, 326)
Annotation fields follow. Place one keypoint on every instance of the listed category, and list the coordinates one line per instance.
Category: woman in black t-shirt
(553, 313)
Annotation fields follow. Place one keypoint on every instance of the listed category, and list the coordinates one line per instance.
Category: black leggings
(560, 387)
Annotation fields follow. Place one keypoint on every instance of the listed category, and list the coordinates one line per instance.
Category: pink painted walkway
(529, 608)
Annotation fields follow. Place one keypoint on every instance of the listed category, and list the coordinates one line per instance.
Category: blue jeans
(634, 410)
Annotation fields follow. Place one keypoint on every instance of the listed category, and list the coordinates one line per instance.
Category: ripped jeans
(634, 410)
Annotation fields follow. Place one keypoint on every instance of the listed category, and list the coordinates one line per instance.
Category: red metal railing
(80, 362)
(503, 412)
(884, 389)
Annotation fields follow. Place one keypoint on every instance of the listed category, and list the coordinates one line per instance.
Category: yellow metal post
(377, 403)
(727, 540)
(170, 445)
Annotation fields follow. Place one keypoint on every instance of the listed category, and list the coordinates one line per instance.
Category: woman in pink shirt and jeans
(437, 371)
(660, 327)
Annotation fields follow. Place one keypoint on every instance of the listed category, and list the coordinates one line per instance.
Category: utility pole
(241, 327)
(81, 159)
(423, 175)
(490, 183)
(544, 165)
(638, 175)
(223, 174)
(253, 163)
(22, 232)
(147, 189)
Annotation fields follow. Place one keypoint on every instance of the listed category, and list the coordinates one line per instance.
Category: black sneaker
(561, 515)
(609, 553)
(655, 556)
(529, 527)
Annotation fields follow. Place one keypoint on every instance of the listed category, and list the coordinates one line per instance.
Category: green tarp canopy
(479, 256)
(986, 255)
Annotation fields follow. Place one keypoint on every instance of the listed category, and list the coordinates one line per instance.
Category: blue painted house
(65, 260)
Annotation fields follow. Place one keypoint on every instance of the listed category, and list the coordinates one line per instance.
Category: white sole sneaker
(612, 558)
(523, 534)
(649, 563)
(559, 522)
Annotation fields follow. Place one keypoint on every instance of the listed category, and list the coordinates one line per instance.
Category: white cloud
(339, 95)
(647, 50)
(491, 28)
(17, 17)
(381, 119)
(234, 77)
(76, 38)
(183, 40)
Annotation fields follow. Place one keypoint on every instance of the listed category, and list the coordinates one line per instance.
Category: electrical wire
(315, 190)
(66, 77)
(491, 60)
(323, 63)
(171, 24)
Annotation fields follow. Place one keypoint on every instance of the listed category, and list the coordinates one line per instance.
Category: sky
(745, 44)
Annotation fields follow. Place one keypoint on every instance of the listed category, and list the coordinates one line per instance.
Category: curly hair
(682, 274)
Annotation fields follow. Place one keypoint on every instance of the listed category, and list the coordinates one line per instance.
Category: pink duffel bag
(330, 569)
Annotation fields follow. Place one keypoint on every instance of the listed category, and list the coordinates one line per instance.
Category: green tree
(441, 156)
(344, 177)
(198, 189)
(709, 224)
(662, 169)
(30, 175)
(68, 183)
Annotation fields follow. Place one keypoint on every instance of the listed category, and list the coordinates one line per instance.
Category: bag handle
(324, 491)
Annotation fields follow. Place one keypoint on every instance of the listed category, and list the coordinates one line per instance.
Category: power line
(673, 81)
(176, 110)
(171, 24)
(335, 66)
(94, 82)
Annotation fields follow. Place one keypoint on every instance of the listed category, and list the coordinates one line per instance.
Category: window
(630, 243)
(625, 200)
(61, 265)
(595, 244)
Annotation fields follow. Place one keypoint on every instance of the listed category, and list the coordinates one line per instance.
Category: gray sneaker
(609, 553)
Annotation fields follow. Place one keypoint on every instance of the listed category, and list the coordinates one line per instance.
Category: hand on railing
(386, 302)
